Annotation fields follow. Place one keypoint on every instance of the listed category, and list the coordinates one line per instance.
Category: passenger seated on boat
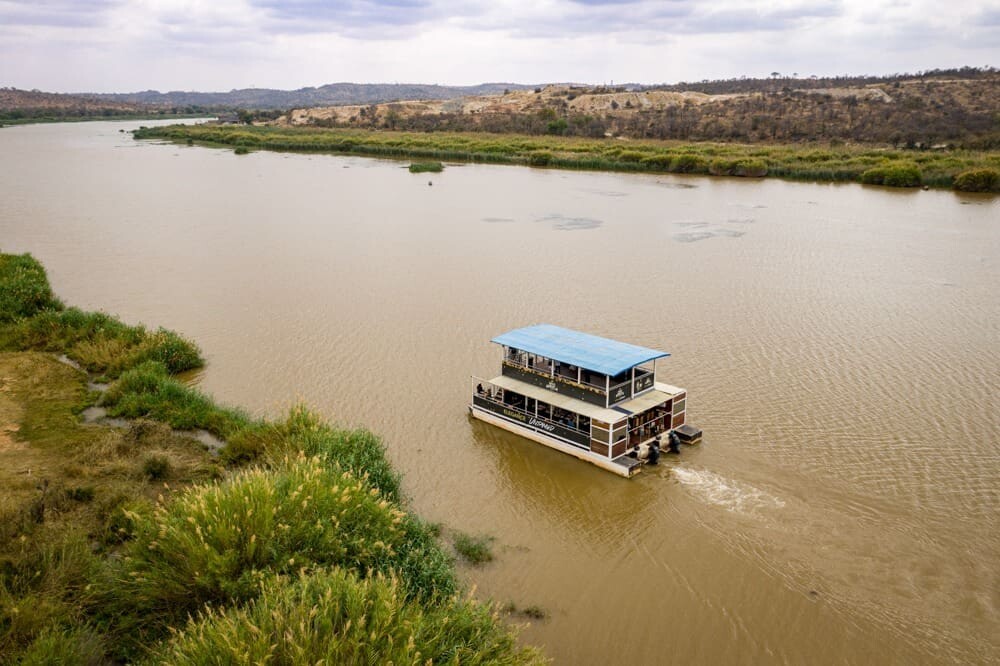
(480, 390)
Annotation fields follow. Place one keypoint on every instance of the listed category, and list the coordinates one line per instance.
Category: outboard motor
(654, 454)
(674, 443)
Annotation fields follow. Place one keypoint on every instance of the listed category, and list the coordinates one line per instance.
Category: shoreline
(868, 165)
(157, 545)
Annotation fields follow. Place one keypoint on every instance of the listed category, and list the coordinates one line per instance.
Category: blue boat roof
(590, 352)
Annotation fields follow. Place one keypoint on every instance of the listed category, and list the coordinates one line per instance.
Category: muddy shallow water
(840, 345)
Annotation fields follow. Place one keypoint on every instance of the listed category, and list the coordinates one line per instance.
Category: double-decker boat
(591, 397)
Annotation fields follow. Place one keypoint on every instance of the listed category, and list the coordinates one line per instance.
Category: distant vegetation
(424, 167)
(819, 162)
(136, 545)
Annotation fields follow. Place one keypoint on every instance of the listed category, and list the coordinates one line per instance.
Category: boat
(590, 397)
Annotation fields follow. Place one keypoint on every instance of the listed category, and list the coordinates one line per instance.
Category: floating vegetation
(426, 167)
(474, 549)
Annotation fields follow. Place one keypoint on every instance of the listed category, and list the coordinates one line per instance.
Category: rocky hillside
(916, 111)
(17, 104)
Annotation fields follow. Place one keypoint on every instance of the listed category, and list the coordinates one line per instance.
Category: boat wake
(729, 494)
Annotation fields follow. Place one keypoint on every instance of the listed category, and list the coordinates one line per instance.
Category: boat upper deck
(587, 367)
(590, 352)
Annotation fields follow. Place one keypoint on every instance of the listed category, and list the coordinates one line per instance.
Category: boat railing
(622, 385)
(561, 376)
(494, 394)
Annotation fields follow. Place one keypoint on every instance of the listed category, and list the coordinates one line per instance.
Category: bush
(24, 288)
(978, 180)
(539, 158)
(658, 162)
(898, 174)
(241, 150)
(335, 618)
(688, 164)
(424, 167)
(215, 544)
(557, 126)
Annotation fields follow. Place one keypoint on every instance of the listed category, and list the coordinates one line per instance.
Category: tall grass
(24, 288)
(31, 318)
(216, 544)
(794, 161)
(335, 618)
(148, 390)
(357, 451)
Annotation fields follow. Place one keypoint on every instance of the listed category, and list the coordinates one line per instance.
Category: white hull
(552, 443)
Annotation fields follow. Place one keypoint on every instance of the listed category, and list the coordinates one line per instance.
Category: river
(840, 345)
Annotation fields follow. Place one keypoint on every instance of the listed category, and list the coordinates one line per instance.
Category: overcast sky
(120, 46)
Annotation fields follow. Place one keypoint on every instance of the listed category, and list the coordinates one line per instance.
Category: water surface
(840, 344)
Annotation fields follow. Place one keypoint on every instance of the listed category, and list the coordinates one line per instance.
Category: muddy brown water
(841, 347)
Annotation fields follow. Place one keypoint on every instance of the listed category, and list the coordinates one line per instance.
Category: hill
(960, 107)
(326, 95)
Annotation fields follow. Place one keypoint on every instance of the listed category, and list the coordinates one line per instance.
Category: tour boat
(588, 396)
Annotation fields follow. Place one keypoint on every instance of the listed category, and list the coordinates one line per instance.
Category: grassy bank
(6, 120)
(138, 545)
(842, 163)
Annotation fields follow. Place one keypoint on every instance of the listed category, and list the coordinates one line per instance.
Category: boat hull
(621, 469)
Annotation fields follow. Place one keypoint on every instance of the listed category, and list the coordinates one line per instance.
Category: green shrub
(475, 549)
(688, 164)
(425, 167)
(539, 158)
(100, 343)
(334, 618)
(148, 390)
(358, 451)
(215, 544)
(631, 156)
(721, 167)
(978, 180)
(557, 126)
(24, 288)
(899, 174)
(241, 150)
(750, 168)
(658, 162)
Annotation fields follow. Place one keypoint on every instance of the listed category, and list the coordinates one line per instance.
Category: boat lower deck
(623, 466)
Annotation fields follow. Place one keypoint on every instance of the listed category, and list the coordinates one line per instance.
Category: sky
(219, 45)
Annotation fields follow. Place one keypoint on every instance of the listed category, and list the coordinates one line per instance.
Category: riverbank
(822, 163)
(115, 535)
(7, 121)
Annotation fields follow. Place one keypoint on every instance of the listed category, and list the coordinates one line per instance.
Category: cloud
(57, 13)
(120, 45)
